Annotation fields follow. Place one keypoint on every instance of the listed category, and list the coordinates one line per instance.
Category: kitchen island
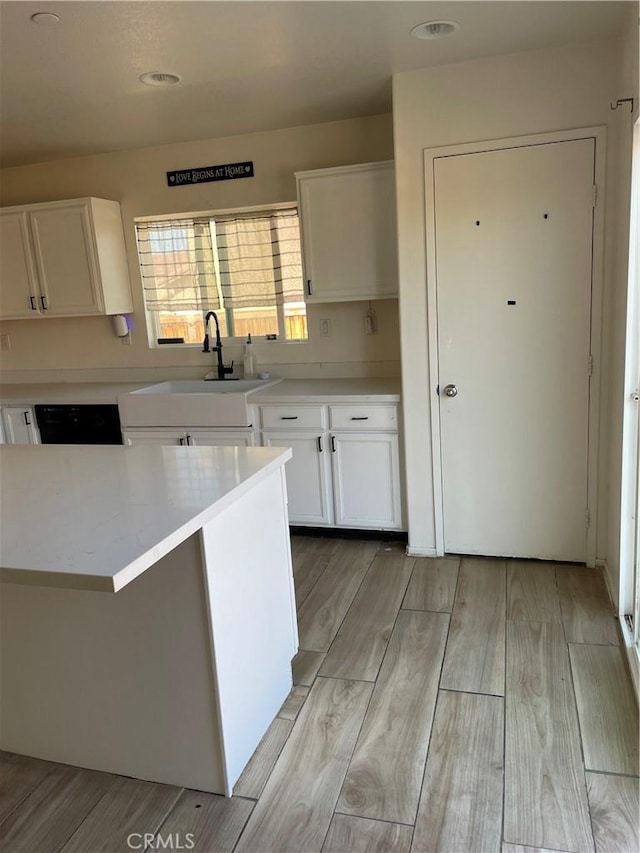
(147, 607)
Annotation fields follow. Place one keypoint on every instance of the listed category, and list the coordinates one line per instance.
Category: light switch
(325, 328)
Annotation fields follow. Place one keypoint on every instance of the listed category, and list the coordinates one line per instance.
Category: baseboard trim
(348, 533)
(633, 658)
(421, 552)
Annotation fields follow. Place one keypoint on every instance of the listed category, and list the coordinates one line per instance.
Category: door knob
(450, 391)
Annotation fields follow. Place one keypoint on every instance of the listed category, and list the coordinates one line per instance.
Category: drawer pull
(319, 444)
(43, 302)
(361, 418)
(288, 417)
(33, 303)
(27, 420)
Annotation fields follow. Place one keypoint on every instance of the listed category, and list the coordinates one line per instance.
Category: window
(246, 267)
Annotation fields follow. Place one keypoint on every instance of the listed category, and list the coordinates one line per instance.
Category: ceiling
(72, 88)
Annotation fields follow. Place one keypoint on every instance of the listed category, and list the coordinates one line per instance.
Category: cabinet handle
(32, 300)
(308, 287)
(189, 440)
(333, 444)
(27, 420)
(288, 417)
(319, 444)
(361, 418)
(43, 301)
(182, 441)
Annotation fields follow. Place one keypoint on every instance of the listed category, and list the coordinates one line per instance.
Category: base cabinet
(189, 437)
(366, 485)
(308, 475)
(346, 477)
(19, 424)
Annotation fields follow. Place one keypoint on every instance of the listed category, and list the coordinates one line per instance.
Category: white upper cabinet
(63, 259)
(348, 217)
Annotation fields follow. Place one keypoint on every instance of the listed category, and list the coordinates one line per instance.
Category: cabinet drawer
(363, 417)
(293, 417)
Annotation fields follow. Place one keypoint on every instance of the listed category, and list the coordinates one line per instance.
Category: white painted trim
(604, 565)
(598, 134)
(633, 658)
(422, 552)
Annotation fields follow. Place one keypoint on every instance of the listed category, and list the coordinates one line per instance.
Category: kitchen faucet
(222, 370)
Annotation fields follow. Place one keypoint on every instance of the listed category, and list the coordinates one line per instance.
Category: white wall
(622, 139)
(498, 97)
(84, 348)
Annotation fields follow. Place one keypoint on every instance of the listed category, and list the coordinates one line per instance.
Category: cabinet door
(366, 480)
(307, 475)
(20, 425)
(155, 436)
(66, 259)
(349, 233)
(221, 438)
(19, 296)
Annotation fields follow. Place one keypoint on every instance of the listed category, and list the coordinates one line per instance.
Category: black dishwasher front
(81, 424)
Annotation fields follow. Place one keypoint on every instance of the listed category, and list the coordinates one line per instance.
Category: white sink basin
(199, 386)
(191, 403)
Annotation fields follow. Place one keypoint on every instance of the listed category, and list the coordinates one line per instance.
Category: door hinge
(590, 365)
(594, 200)
(587, 517)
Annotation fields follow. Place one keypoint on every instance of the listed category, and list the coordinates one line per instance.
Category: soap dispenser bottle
(248, 361)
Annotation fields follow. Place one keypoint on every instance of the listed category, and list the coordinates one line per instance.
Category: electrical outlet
(325, 328)
(5, 342)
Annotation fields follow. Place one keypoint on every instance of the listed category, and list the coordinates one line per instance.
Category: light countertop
(28, 394)
(96, 517)
(330, 390)
(284, 391)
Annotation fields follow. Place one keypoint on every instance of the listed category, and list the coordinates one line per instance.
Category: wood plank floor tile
(532, 594)
(254, 776)
(360, 644)
(586, 610)
(545, 794)
(310, 556)
(206, 822)
(385, 773)
(474, 658)
(54, 810)
(305, 666)
(357, 835)
(295, 809)
(461, 801)
(614, 812)
(607, 708)
(322, 612)
(127, 806)
(19, 776)
(520, 848)
(293, 703)
(432, 585)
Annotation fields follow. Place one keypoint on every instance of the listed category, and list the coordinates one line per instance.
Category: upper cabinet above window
(348, 218)
(63, 259)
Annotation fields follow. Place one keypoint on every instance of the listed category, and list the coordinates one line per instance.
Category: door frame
(598, 134)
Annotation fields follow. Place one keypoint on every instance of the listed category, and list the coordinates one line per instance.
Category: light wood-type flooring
(439, 705)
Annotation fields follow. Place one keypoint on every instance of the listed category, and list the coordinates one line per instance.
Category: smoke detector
(434, 30)
(159, 78)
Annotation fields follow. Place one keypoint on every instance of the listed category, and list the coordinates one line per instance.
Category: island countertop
(96, 517)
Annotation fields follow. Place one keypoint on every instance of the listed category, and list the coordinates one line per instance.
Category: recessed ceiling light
(45, 18)
(435, 30)
(159, 78)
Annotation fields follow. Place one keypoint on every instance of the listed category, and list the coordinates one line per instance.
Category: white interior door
(513, 246)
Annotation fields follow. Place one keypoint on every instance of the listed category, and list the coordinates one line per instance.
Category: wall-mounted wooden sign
(204, 174)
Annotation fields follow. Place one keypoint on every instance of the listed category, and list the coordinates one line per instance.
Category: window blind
(207, 263)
